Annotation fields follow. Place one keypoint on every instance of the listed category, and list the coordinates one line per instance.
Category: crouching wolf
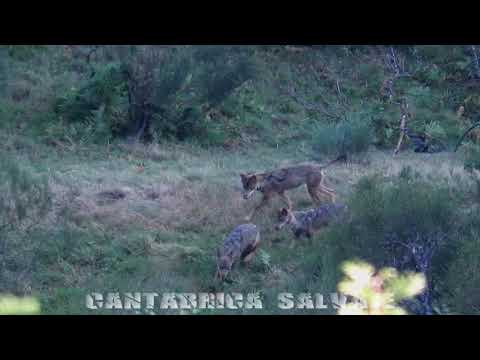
(240, 245)
(278, 181)
(307, 222)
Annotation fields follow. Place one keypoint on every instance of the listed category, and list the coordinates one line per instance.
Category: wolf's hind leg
(249, 253)
(331, 197)
(314, 194)
(286, 199)
(248, 258)
(323, 186)
(327, 192)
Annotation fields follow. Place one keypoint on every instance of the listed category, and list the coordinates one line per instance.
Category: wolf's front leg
(286, 199)
(248, 259)
(249, 253)
(329, 196)
(309, 236)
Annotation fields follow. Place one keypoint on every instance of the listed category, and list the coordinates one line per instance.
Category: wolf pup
(278, 181)
(240, 245)
(307, 222)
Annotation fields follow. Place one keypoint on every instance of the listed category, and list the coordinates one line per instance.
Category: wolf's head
(285, 217)
(250, 184)
(224, 265)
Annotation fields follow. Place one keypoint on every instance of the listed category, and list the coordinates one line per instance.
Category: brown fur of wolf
(306, 223)
(239, 246)
(277, 182)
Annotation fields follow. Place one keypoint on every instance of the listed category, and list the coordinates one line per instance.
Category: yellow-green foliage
(59, 238)
(380, 291)
(11, 305)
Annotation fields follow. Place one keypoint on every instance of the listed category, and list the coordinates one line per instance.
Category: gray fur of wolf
(239, 246)
(279, 181)
(305, 223)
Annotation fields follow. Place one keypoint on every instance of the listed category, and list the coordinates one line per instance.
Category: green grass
(166, 242)
(178, 207)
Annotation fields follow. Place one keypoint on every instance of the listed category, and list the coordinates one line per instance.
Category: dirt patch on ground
(113, 195)
(159, 206)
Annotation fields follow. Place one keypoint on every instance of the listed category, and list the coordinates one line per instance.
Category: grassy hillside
(84, 208)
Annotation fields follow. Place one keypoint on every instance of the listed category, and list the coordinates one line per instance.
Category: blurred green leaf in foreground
(11, 305)
(379, 291)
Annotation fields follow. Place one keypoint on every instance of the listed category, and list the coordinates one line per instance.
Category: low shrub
(404, 222)
(354, 135)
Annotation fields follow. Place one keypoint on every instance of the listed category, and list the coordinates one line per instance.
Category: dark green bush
(390, 217)
(402, 206)
(472, 160)
(215, 73)
(77, 104)
(461, 290)
(148, 91)
(222, 70)
(352, 136)
(99, 105)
